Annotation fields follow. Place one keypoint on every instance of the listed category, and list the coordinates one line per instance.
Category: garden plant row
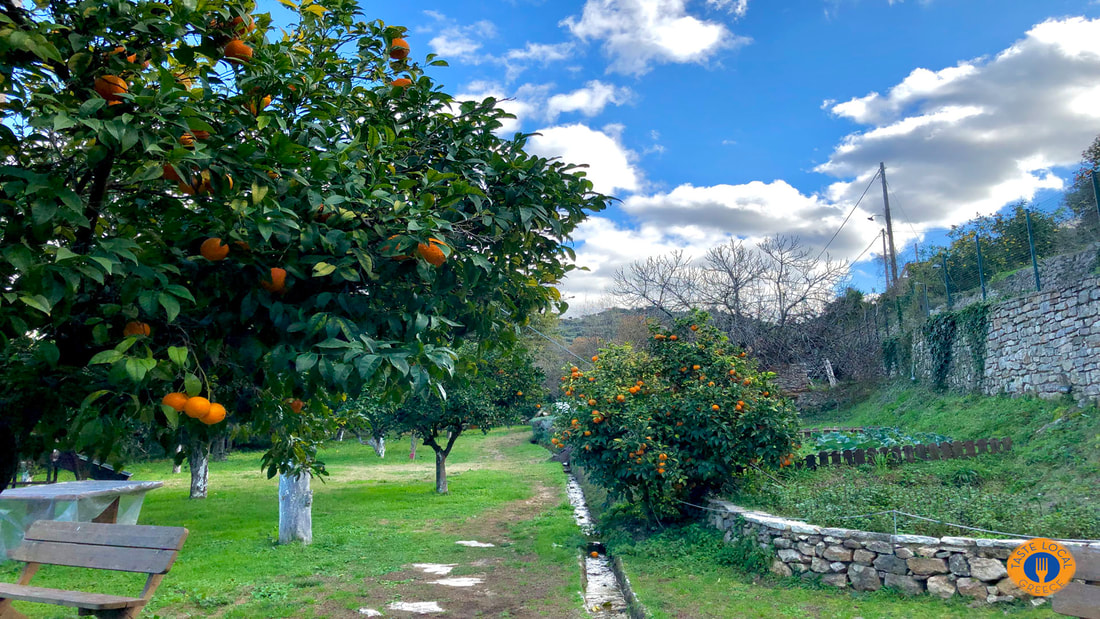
(908, 453)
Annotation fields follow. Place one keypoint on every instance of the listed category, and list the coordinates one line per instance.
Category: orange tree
(494, 387)
(365, 220)
(662, 427)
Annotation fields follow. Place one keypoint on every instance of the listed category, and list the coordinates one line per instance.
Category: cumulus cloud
(456, 42)
(970, 138)
(637, 34)
(524, 102)
(590, 100)
(611, 168)
(737, 7)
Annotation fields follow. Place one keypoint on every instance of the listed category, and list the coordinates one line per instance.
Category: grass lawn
(372, 519)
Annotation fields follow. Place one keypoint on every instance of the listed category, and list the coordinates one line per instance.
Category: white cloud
(524, 103)
(590, 100)
(737, 7)
(970, 138)
(462, 42)
(611, 168)
(640, 33)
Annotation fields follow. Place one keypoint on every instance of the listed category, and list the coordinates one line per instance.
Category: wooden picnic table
(70, 501)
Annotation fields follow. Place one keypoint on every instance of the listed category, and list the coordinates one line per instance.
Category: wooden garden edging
(909, 453)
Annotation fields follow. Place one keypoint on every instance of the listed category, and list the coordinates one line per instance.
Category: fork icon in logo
(1041, 568)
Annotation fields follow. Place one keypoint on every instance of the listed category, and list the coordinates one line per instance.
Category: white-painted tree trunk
(176, 468)
(340, 434)
(378, 443)
(199, 459)
(441, 472)
(295, 509)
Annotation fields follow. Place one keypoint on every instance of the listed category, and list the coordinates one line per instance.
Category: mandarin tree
(494, 387)
(324, 195)
(663, 426)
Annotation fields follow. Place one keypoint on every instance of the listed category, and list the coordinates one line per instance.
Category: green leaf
(192, 385)
(178, 355)
(92, 397)
(170, 304)
(39, 303)
(49, 353)
(322, 269)
(305, 362)
(172, 415)
(64, 253)
(258, 192)
(316, 9)
(135, 369)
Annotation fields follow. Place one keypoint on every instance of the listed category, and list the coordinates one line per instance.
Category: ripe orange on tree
(296, 405)
(255, 107)
(196, 407)
(242, 26)
(431, 252)
(237, 52)
(217, 413)
(110, 87)
(213, 249)
(277, 282)
(401, 82)
(176, 400)
(399, 49)
(136, 328)
(170, 173)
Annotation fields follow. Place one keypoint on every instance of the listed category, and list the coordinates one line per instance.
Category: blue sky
(714, 119)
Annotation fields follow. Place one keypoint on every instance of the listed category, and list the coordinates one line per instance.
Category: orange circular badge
(1041, 567)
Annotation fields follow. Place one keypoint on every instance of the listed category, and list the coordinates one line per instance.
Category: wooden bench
(118, 547)
(1077, 599)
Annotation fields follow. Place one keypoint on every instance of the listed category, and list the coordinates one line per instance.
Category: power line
(908, 221)
(842, 224)
(873, 241)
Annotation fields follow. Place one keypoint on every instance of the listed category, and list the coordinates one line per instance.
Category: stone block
(927, 551)
(971, 587)
(837, 566)
(806, 549)
(996, 599)
(852, 544)
(782, 542)
(863, 557)
(837, 553)
(1005, 586)
(864, 578)
(904, 584)
(788, 555)
(987, 569)
(941, 586)
(927, 565)
(904, 553)
(779, 568)
(835, 580)
(958, 565)
(892, 564)
(819, 565)
(882, 548)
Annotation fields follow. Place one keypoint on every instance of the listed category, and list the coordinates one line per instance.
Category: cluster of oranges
(195, 407)
(399, 50)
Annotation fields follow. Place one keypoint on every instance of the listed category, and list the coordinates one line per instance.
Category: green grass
(371, 518)
(1048, 484)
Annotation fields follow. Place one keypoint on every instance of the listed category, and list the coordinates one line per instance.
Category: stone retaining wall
(867, 561)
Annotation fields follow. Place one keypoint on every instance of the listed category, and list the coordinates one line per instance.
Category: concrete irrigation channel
(606, 588)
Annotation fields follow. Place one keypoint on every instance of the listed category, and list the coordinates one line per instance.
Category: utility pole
(889, 223)
(885, 260)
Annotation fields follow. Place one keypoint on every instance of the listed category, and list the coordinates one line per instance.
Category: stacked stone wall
(867, 561)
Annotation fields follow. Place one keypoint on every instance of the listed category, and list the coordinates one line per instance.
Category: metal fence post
(1031, 244)
(946, 281)
(981, 275)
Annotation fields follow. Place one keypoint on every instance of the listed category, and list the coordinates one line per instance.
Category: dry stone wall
(1045, 343)
(867, 561)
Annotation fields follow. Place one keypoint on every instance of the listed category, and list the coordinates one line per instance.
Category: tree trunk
(340, 434)
(199, 459)
(412, 446)
(378, 443)
(440, 472)
(220, 451)
(295, 509)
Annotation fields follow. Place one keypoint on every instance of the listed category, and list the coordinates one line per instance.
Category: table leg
(109, 515)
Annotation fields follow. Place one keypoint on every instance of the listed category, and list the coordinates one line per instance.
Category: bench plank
(1077, 600)
(127, 535)
(121, 559)
(60, 597)
(1088, 563)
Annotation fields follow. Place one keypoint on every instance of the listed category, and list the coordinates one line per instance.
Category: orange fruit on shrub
(672, 337)
(237, 52)
(176, 400)
(170, 173)
(401, 82)
(136, 328)
(278, 280)
(242, 26)
(213, 249)
(399, 49)
(216, 414)
(296, 405)
(432, 252)
(196, 407)
(110, 87)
